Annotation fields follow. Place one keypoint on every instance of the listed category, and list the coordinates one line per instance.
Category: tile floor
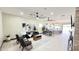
(56, 42)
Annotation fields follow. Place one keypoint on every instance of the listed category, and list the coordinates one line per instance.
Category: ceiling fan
(37, 15)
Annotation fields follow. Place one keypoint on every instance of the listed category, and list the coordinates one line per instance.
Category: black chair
(23, 43)
(35, 33)
(17, 37)
(26, 36)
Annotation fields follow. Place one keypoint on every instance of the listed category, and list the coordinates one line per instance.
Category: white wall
(1, 30)
(13, 24)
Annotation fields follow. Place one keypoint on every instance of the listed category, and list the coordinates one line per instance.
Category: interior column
(76, 35)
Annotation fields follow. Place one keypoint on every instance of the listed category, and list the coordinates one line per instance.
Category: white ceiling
(58, 12)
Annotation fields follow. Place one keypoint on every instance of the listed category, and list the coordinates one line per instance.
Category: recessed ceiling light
(51, 13)
(21, 13)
